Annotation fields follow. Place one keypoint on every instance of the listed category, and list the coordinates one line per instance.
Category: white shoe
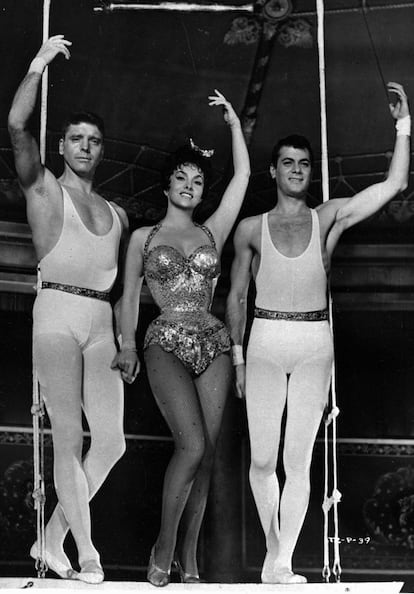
(91, 572)
(64, 571)
(283, 576)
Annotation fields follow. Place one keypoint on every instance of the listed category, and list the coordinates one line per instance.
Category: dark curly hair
(185, 155)
(296, 141)
(78, 117)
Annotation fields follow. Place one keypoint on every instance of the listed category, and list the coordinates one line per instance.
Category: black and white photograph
(207, 296)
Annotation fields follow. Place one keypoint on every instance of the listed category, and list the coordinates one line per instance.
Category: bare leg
(213, 387)
(176, 396)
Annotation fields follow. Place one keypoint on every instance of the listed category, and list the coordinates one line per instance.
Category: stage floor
(14, 584)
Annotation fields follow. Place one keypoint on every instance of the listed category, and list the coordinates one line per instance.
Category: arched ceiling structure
(149, 72)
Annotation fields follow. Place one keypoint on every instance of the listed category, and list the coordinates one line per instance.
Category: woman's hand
(230, 116)
(128, 363)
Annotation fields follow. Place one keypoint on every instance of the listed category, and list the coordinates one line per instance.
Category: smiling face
(82, 148)
(186, 186)
(292, 171)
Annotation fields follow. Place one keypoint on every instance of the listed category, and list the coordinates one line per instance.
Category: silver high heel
(155, 575)
(186, 578)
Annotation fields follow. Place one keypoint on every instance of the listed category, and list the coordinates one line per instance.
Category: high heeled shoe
(155, 575)
(186, 578)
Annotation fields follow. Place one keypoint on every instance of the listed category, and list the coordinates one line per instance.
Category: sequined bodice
(181, 283)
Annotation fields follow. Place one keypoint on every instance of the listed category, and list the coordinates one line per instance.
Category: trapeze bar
(356, 9)
(177, 6)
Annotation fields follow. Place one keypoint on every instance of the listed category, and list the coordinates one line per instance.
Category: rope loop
(337, 570)
(326, 573)
(332, 415)
(39, 496)
(38, 410)
(41, 567)
(328, 502)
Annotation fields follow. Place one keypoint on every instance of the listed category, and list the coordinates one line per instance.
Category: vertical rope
(331, 418)
(326, 571)
(371, 40)
(44, 93)
(322, 92)
(39, 493)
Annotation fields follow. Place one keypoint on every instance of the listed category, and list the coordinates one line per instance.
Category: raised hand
(230, 116)
(400, 108)
(52, 47)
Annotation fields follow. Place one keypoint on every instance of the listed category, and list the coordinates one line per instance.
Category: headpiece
(203, 152)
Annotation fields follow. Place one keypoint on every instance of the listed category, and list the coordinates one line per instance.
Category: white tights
(73, 349)
(288, 364)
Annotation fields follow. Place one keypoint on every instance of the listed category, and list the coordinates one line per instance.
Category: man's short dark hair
(294, 140)
(185, 155)
(87, 117)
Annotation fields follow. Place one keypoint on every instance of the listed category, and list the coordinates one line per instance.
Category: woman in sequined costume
(186, 347)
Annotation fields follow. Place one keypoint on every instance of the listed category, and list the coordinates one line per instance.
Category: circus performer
(289, 357)
(76, 235)
(186, 348)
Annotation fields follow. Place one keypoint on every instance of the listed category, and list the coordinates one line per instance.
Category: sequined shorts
(195, 340)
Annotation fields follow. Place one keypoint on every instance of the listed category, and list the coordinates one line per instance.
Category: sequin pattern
(182, 287)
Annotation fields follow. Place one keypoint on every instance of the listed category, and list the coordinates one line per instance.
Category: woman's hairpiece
(203, 152)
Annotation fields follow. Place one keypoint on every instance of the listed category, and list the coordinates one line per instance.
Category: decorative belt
(292, 316)
(101, 295)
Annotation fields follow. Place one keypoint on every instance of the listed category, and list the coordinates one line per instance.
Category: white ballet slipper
(91, 572)
(283, 576)
(64, 571)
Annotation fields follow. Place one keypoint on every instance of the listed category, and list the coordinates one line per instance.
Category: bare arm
(26, 152)
(127, 359)
(236, 311)
(372, 199)
(222, 221)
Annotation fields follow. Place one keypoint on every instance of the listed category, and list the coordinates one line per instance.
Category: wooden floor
(14, 584)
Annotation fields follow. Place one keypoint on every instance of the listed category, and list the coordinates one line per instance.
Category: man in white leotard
(76, 235)
(288, 252)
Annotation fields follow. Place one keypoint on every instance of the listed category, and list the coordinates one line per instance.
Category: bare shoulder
(122, 215)
(139, 237)
(248, 228)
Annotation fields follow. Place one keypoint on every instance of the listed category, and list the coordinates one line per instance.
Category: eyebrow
(80, 135)
(179, 170)
(304, 160)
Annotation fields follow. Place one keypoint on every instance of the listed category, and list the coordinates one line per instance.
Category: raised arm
(127, 359)
(222, 221)
(236, 310)
(372, 199)
(26, 152)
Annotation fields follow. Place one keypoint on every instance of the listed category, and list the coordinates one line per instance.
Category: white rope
(43, 102)
(334, 499)
(39, 493)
